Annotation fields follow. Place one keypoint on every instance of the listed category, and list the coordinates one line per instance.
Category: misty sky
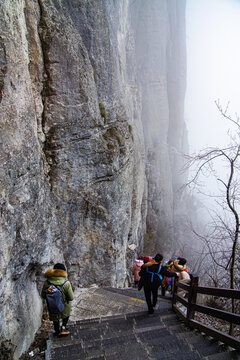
(213, 69)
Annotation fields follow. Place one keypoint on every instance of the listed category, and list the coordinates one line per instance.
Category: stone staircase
(135, 336)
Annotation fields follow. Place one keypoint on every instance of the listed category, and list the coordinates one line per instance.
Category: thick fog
(213, 69)
(213, 74)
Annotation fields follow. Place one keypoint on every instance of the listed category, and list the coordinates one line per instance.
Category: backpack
(54, 298)
(157, 273)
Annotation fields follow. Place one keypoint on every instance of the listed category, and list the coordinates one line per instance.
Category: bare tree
(222, 242)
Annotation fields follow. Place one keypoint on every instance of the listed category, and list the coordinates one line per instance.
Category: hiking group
(150, 274)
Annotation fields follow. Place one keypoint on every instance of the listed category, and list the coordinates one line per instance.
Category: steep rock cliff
(91, 97)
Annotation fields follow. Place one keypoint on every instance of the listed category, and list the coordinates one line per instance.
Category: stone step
(231, 355)
(168, 315)
(202, 344)
(166, 346)
(206, 348)
(96, 330)
(173, 322)
(139, 337)
(131, 334)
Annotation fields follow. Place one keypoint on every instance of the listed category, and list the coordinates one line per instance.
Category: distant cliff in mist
(91, 98)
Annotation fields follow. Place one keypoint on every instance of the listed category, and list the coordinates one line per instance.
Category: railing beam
(220, 336)
(193, 289)
(228, 293)
(219, 314)
(182, 300)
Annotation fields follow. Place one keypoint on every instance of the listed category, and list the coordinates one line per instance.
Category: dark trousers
(56, 324)
(151, 293)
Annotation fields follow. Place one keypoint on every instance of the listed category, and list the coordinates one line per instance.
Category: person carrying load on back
(57, 291)
(179, 265)
(153, 273)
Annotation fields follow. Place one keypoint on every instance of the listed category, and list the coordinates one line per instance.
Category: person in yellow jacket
(179, 266)
(58, 276)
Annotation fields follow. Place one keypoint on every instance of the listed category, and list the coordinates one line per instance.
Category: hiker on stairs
(167, 282)
(57, 291)
(136, 269)
(153, 273)
(179, 265)
(141, 281)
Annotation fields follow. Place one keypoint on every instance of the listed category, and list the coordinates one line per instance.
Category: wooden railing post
(175, 287)
(192, 295)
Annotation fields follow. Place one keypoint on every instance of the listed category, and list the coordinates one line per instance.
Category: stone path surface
(96, 302)
(114, 324)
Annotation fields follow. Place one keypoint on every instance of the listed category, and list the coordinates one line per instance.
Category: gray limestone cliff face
(91, 101)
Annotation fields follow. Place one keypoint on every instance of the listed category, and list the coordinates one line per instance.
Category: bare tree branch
(220, 248)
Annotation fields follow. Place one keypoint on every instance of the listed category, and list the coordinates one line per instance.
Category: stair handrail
(189, 300)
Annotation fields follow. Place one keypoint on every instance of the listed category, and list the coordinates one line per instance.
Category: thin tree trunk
(234, 247)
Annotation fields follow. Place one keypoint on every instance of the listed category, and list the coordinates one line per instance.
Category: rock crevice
(91, 105)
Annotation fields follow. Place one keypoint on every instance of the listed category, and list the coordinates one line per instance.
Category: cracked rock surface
(85, 139)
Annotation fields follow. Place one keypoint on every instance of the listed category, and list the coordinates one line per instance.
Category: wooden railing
(190, 302)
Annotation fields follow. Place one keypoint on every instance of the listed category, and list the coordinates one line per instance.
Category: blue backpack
(157, 273)
(54, 298)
